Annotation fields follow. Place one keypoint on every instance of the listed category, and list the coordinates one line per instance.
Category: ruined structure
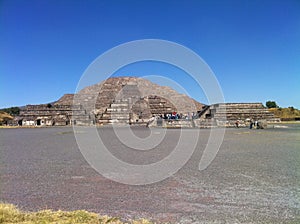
(129, 100)
(227, 114)
(223, 115)
(50, 115)
(115, 100)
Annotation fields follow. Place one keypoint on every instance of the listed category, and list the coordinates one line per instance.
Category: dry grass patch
(4, 117)
(285, 113)
(10, 214)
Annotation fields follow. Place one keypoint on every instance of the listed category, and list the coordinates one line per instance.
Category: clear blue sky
(253, 47)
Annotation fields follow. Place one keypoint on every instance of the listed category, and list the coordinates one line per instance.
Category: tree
(12, 110)
(271, 104)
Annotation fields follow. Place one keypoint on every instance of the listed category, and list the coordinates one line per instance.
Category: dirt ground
(255, 177)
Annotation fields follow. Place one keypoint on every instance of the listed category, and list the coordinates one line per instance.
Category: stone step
(118, 121)
(240, 106)
(119, 105)
(121, 116)
(112, 110)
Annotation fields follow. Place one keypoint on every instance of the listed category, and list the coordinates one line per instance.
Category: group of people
(252, 124)
(176, 116)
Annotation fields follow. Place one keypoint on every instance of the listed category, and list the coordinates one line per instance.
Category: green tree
(12, 110)
(271, 104)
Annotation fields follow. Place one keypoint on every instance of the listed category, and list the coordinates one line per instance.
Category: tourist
(237, 124)
(251, 123)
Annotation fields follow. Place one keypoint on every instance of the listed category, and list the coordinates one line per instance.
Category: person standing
(251, 123)
(237, 124)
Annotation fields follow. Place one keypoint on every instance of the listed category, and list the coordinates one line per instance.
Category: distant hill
(289, 113)
(13, 111)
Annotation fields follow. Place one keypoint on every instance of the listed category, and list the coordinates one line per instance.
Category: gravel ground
(255, 177)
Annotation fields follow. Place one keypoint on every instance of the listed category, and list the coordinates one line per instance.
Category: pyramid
(121, 99)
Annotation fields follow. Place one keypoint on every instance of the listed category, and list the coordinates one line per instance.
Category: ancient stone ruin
(227, 114)
(131, 100)
(120, 100)
(50, 115)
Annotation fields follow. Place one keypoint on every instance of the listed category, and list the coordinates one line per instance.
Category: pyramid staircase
(117, 112)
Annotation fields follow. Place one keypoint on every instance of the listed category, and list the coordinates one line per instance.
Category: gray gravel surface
(255, 177)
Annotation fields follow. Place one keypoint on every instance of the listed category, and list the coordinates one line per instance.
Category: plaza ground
(253, 179)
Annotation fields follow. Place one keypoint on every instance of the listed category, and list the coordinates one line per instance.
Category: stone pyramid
(123, 98)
